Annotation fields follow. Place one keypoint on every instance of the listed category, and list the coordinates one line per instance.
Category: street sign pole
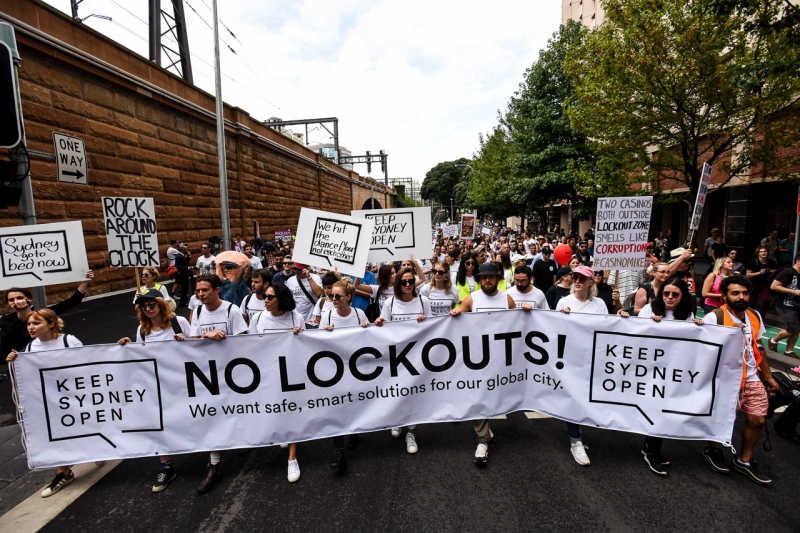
(223, 170)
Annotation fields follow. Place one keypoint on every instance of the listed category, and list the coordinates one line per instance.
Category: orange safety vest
(755, 326)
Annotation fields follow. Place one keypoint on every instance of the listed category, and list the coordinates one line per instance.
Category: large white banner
(131, 231)
(672, 379)
(44, 254)
(330, 240)
(623, 224)
(398, 233)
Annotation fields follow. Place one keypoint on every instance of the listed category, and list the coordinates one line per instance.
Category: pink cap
(583, 270)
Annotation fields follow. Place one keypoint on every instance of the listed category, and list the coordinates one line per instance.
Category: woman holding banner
(406, 304)
(342, 315)
(157, 322)
(465, 278)
(385, 287)
(583, 299)
(44, 328)
(280, 316)
(440, 291)
(673, 302)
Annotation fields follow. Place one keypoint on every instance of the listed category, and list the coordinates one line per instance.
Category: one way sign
(71, 159)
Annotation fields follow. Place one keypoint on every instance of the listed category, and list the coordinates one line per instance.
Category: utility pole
(223, 169)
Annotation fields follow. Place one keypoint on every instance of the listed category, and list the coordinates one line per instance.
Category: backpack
(199, 309)
(373, 311)
(630, 303)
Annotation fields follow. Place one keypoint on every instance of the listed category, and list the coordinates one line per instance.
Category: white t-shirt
(355, 318)
(304, 306)
(221, 319)
(255, 262)
(206, 265)
(252, 305)
(396, 310)
(441, 302)
(162, 288)
(166, 334)
(268, 323)
(381, 298)
(748, 356)
(327, 305)
(194, 302)
(482, 302)
(172, 253)
(647, 312)
(535, 297)
(595, 306)
(470, 280)
(37, 345)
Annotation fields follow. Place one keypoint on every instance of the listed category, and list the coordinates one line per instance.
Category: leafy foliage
(442, 182)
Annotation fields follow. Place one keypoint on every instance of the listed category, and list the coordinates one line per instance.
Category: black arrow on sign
(78, 174)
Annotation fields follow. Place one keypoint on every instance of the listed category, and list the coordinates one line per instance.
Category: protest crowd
(257, 288)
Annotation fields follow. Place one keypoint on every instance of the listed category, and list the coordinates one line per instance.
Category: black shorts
(791, 318)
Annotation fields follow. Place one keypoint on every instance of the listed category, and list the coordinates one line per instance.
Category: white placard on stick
(623, 225)
(330, 240)
(130, 225)
(450, 231)
(398, 233)
(702, 192)
(44, 254)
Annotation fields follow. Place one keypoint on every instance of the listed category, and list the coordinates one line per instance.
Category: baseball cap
(300, 266)
(583, 270)
(149, 294)
(547, 250)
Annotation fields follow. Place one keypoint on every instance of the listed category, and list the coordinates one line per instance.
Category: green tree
(663, 86)
(441, 183)
(491, 176)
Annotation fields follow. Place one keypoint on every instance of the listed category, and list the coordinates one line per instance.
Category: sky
(418, 79)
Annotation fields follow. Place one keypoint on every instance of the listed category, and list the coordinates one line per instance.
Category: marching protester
(14, 325)
(172, 270)
(561, 288)
(342, 315)
(524, 292)
(607, 293)
(649, 289)
(488, 298)
(440, 291)
(44, 328)
(149, 277)
(738, 266)
(277, 265)
(157, 322)
(205, 263)
(325, 303)
(182, 278)
(672, 303)
(758, 271)
(287, 271)
(306, 289)
(712, 299)
(465, 277)
(545, 270)
(255, 261)
(583, 299)
(383, 290)
(787, 285)
(753, 400)
(405, 304)
(254, 302)
(215, 319)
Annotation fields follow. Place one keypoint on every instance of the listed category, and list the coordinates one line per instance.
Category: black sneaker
(654, 463)
(164, 477)
(752, 471)
(58, 483)
(661, 459)
(716, 460)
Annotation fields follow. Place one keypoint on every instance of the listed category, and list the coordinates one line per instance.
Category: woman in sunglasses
(583, 299)
(157, 322)
(385, 287)
(406, 304)
(149, 278)
(673, 302)
(280, 316)
(465, 281)
(440, 291)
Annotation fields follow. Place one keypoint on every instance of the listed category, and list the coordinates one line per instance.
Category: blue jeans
(574, 430)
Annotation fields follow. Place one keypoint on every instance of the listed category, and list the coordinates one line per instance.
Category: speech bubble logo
(654, 374)
(392, 231)
(102, 399)
(335, 239)
(34, 253)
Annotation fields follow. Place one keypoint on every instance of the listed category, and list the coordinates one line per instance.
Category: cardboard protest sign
(283, 234)
(702, 192)
(131, 231)
(467, 226)
(450, 231)
(44, 254)
(486, 230)
(330, 240)
(398, 233)
(623, 225)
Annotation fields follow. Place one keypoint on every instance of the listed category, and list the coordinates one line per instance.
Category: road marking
(533, 415)
(36, 512)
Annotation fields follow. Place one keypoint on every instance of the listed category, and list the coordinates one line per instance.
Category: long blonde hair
(166, 316)
(718, 264)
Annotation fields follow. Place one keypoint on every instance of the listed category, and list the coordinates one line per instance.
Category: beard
(738, 305)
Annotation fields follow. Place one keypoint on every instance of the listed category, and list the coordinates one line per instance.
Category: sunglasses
(468, 263)
(145, 275)
(670, 294)
(148, 305)
(335, 297)
(579, 278)
(439, 272)
(407, 282)
(270, 297)
(288, 262)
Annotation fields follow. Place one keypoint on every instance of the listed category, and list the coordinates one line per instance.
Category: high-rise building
(587, 12)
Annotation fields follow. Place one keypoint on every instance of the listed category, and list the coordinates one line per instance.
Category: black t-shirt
(543, 272)
(789, 278)
(604, 292)
(554, 294)
(755, 266)
(718, 249)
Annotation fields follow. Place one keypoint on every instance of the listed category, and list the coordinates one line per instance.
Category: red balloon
(562, 254)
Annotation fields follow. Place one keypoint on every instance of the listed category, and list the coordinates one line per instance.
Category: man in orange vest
(753, 400)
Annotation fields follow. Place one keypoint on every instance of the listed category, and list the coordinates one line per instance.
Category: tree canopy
(441, 183)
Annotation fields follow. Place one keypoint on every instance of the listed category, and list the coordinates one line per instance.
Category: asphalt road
(530, 483)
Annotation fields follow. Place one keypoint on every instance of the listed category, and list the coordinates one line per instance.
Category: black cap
(563, 271)
(547, 250)
(149, 294)
(489, 268)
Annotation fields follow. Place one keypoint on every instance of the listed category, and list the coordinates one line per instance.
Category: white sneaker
(482, 453)
(284, 446)
(396, 432)
(579, 453)
(411, 443)
(294, 471)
